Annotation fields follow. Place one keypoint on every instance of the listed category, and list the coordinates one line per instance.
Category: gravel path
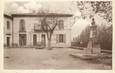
(58, 58)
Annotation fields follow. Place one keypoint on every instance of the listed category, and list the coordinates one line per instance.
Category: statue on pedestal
(93, 46)
(93, 49)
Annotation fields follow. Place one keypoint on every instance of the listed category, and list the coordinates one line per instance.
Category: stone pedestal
(93, 49)
(93, 46)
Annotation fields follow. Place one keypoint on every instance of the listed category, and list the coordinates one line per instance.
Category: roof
(42, 15)
(8, 16)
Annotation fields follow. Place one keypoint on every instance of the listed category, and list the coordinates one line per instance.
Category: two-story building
(26, 30)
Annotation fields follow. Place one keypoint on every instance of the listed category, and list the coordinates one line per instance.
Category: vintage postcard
(57, 35)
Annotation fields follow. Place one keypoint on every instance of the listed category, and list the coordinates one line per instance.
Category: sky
(69, 7)
(27, 7)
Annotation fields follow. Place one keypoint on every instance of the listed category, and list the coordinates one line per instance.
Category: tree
(48, 25)
(90, 8)
(103, 9)
(105, 37)
(84, 36)
(82, 39)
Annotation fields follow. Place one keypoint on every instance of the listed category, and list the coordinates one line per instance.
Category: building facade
(8, 30)
(26, 30)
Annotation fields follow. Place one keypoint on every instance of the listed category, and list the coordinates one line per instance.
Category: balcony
(37, 28)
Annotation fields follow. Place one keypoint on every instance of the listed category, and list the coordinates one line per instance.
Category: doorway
(34, 39)
(22, 39)
(43, 39)
(8, 41)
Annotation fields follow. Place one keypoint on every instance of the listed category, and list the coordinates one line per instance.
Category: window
(8, 25)
(8, 41)
(61, 38)
(37, 26)
(61, 24)
(22, 25)
(43, 39)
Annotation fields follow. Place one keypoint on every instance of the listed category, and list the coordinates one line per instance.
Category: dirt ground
(58, 58)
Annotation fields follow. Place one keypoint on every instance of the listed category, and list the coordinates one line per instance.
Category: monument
(93, 50)
(93, 46)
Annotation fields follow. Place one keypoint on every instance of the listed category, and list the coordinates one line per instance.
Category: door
(43, 39)
(8, 41)
(22, 39)
(34, 39)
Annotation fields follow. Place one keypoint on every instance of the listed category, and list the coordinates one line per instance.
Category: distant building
(24, 30)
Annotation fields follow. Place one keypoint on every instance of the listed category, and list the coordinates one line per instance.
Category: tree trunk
(49, 36)
(49, 44)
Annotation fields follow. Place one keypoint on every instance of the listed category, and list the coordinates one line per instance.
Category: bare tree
(48, 25)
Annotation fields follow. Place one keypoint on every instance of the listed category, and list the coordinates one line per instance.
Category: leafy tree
(84, 36)
(104, 10)
(82, 39)
(105, 37)
(90, 8)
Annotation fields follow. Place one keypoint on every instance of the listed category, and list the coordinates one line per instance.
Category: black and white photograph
(60, 35)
